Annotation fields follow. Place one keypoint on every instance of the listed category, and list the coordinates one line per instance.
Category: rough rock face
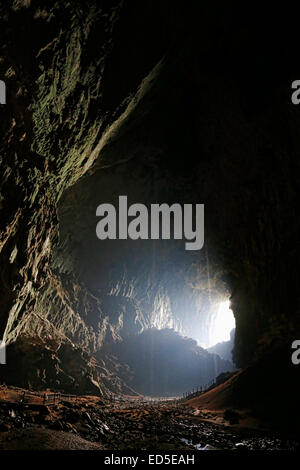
(171, 116)
(44, 83)
(41, 153)
(63, 105)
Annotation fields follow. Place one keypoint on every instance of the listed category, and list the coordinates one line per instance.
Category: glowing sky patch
(222, 325)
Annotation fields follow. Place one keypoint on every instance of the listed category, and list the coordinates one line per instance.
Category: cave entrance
(222, 324)
(150, 307)
(153, 308)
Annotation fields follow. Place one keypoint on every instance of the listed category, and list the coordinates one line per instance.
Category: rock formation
(143, 100)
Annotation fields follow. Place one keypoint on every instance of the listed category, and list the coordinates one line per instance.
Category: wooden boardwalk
(21, 396)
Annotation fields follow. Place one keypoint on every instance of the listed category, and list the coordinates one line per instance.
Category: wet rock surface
(88, 422)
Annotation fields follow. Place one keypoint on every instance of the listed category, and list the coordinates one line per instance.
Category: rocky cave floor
(91, 423)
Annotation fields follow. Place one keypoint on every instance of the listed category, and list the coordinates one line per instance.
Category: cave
(156, 103)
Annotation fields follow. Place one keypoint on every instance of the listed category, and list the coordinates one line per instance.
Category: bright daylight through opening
(223, 323)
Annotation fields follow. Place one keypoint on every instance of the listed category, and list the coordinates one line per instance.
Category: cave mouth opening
(222, 324)
(155, 308)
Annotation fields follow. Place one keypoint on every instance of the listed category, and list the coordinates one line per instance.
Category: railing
(48, 398)
(195, 392)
